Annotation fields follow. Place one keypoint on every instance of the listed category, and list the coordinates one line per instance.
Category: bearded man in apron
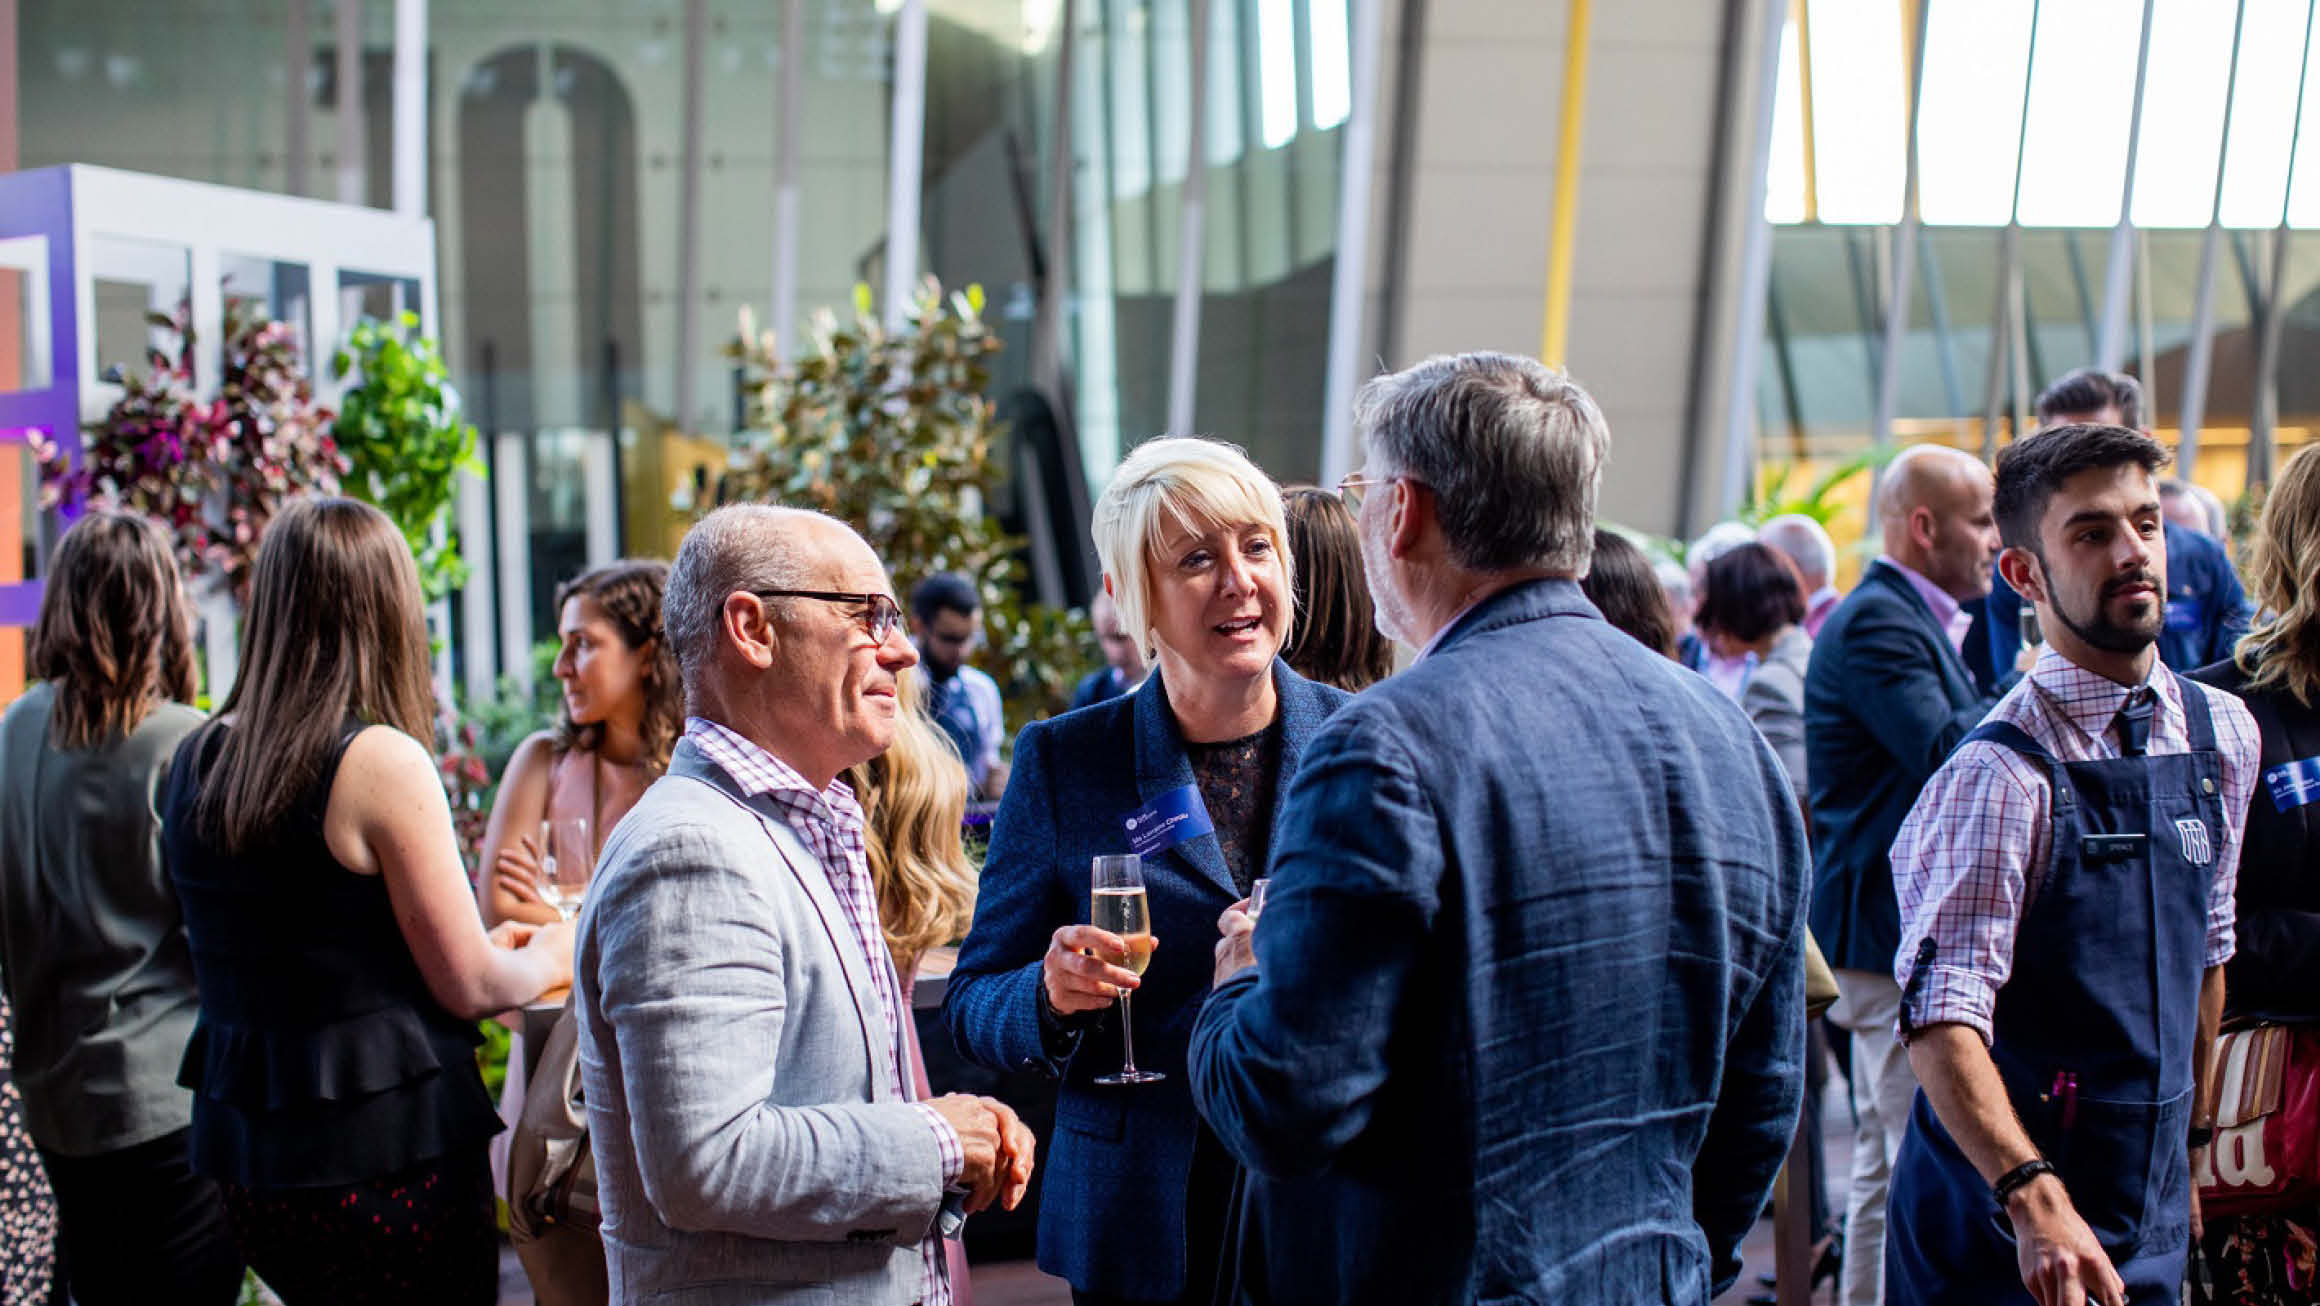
(2065, 883)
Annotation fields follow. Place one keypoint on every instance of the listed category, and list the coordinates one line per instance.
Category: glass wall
(556, 170)
(2034, 128)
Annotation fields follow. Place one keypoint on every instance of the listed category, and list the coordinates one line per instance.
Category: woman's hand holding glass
(1076, 973)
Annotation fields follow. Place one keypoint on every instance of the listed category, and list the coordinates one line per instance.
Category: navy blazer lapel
(689, 762)
(1303, 708)
(1952, 660)
(1162, 767)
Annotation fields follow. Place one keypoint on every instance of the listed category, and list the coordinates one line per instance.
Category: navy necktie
(2134, 724)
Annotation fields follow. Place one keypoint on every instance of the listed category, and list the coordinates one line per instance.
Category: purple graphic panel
(39, 203)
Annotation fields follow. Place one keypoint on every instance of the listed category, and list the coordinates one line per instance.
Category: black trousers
(137, 1225)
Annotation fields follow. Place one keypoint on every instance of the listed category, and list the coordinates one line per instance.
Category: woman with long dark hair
(342, 966)
(1336, 639)
(621, 714)
(92, 952)
(1621, 583)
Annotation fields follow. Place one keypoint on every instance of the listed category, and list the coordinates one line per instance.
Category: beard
(2098, 630)
(1377, 573)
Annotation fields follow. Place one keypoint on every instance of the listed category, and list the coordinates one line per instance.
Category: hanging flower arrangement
(213, 471)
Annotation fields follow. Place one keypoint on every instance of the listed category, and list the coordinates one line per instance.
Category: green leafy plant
(406, 440)
(1775, 498)
(213, 471)
(891, 431)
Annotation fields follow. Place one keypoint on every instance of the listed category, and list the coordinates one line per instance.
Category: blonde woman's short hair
(1185, 482)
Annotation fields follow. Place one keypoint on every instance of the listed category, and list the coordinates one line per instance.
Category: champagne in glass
(1118, 905)
(1124, 912)
(567, 860)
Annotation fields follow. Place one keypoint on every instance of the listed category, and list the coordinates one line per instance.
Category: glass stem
(1127, 1037)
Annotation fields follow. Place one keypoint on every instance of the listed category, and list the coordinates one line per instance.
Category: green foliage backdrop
(893, 432)
(406, 440)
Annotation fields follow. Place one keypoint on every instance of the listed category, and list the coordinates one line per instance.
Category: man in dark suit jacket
(1524, 1019)
(1887, 696)
(1123, 667)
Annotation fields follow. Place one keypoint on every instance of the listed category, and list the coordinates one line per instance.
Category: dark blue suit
(2207, 610)
(1112, 1217)
(1528, 1016)
(1098, 686)
(1886, 699)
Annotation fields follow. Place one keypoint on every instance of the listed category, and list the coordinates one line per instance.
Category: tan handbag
(1820, 984)
(551, 1197)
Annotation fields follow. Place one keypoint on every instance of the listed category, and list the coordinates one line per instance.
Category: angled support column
(2263, 435)
(1905, 240)
(905, 161)
(2202, 355)
(2110, 349)
(1191, 229)
(1349, 274)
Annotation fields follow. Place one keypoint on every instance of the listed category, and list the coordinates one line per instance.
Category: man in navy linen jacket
(1525, 1019)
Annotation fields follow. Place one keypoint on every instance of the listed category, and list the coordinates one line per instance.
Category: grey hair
(743, 546)
(1512, 449)
(1714, 543)
(1805, 541)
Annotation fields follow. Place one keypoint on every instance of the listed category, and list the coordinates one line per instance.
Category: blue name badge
(2186, 613)
(1167, 821)
(2294, 784)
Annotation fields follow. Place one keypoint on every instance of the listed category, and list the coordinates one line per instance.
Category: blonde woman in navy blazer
(1194, 553)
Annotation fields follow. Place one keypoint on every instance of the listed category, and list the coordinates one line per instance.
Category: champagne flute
(567, 860)
(1257, 893)
(1118, 904)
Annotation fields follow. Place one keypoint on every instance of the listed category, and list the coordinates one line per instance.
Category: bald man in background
(1887, 696)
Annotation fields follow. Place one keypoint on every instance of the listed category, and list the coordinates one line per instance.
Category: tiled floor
(1019, 1283)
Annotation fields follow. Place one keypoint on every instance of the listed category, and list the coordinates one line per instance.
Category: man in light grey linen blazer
(744, 1041)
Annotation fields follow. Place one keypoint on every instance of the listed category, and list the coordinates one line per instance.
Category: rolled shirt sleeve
(946, 1141)
(2241, 744)
(1961, 873)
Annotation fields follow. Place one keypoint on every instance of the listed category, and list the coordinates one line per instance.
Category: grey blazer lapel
(1162, 767)
(689, 762)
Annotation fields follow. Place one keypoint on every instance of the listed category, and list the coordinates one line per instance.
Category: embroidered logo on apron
(2197, 850)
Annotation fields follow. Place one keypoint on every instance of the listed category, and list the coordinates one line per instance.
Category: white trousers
(1882, 1087)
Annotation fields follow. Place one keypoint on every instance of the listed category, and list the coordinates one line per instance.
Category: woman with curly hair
(623, 710)
(2259, 1260)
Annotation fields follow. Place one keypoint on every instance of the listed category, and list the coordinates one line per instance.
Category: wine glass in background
(567, 858)
(1118, 905)
(2029, 623)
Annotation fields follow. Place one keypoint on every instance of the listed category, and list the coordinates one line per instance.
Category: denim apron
(2092, 1032)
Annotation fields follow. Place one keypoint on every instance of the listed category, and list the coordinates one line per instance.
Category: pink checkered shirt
(830, 824)
(1975, 848)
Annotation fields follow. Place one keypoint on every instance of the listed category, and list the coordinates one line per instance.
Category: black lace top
(1236, 779)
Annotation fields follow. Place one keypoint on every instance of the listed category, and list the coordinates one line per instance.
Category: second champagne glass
(1118, 904)
(571, 857)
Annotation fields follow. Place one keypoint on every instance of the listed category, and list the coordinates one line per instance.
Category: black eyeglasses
(881, 616)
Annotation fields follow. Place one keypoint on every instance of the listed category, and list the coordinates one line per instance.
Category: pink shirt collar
(1954, 620)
